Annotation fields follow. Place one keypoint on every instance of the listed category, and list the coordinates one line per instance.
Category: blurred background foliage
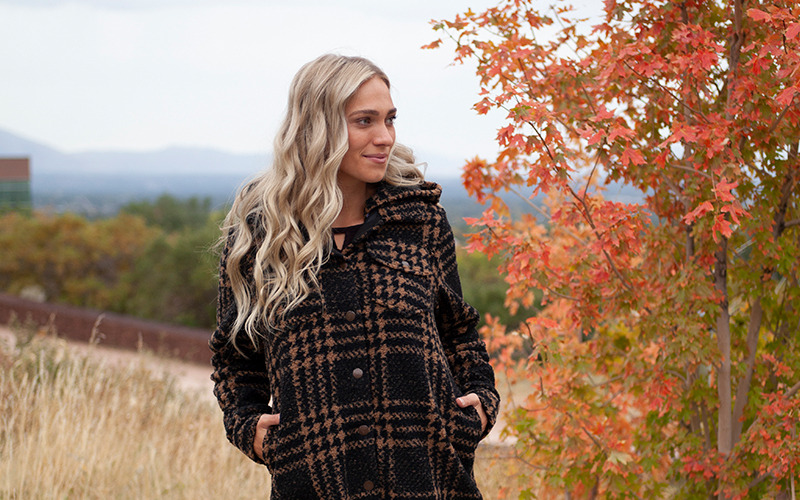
(157, 259)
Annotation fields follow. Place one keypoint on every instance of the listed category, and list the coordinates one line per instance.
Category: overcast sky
(147, 74)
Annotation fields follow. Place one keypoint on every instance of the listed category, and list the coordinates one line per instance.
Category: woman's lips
(377, 158)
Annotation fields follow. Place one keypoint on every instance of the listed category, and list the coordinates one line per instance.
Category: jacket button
(349, 315)
(405, 264)
(363, 430)
(358, 373)
(369, 485)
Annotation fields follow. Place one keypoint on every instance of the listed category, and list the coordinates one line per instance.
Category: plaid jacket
(365, 372)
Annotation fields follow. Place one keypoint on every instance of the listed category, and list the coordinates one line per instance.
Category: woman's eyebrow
(371, 112)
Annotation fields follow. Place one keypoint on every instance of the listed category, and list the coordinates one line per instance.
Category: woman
(345, 358)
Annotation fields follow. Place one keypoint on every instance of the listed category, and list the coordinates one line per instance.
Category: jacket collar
(393, 202)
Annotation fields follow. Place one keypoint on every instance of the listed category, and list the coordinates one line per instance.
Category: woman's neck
(354, 199)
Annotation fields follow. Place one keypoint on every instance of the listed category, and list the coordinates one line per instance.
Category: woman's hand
(265, 421)
(472, 399)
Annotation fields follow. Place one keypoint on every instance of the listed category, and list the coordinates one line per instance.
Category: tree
(170, 213)
(666, 360)
(175, 280)
(69, 258)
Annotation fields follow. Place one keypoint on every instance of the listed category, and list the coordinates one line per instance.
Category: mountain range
(97, 183)
(102, 180)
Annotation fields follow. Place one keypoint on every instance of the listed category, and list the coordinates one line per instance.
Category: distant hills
(97, 183)
(100, 181)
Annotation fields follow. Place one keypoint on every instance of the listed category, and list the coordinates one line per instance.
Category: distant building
(15, 183)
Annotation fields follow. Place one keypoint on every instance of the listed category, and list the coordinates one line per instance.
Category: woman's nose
(384, 136)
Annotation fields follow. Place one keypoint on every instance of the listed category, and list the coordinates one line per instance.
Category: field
(79, 424)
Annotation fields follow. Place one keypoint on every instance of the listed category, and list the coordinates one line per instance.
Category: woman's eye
(363, 121)
(391, 120)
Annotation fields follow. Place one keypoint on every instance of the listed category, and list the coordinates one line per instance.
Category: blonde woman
(345, 358)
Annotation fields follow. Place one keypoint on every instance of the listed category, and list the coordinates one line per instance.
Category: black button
(368, 485)
(363, 430)
(358, 373)
(349, 315)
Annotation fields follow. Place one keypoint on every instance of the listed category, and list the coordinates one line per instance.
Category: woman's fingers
(472, 399)
(265, 421)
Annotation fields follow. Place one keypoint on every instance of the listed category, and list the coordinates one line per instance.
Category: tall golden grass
(72, 426)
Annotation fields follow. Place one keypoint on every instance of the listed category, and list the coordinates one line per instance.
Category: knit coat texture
(366, 371)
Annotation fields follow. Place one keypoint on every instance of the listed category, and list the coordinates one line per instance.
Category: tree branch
(544, 214)
(588, 215)
(689, 169)
(668, 91)
(561, 295)
(678, 192)
(531, 204)
(778, 118)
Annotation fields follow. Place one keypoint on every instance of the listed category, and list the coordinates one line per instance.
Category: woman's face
(370, 116)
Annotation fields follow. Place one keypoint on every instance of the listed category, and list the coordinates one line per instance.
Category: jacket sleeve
(241, 381)
(456, 321)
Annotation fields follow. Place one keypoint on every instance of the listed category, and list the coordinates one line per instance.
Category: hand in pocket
(265, 421)
(472, 399)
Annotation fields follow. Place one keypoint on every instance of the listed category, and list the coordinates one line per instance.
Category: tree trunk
(753, 329)
(724, 419)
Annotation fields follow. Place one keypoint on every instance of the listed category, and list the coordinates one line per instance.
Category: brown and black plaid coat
(365, 372)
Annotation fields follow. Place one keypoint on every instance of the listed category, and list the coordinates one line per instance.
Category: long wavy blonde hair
(287, 211)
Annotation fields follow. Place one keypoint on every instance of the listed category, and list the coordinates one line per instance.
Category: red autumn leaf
(619, 131)
(630, 155)
(471, 221)
(721, 226)
(786, 96)
(699, 211)
(723, 190)
(758, 15)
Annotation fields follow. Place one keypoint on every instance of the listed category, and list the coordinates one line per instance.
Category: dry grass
(73, 426)
(498, 472)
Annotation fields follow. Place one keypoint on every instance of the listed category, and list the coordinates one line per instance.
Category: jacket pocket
(469, 423)
(269, 446)
(465, 433)
(401, 278)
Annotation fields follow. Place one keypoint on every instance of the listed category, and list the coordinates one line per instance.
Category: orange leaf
(701, 210)
(631, 155)
(786, 96)
(721, 226)
(723, 190)
(758, 15)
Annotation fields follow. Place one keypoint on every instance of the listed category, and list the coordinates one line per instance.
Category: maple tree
(665, 361)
